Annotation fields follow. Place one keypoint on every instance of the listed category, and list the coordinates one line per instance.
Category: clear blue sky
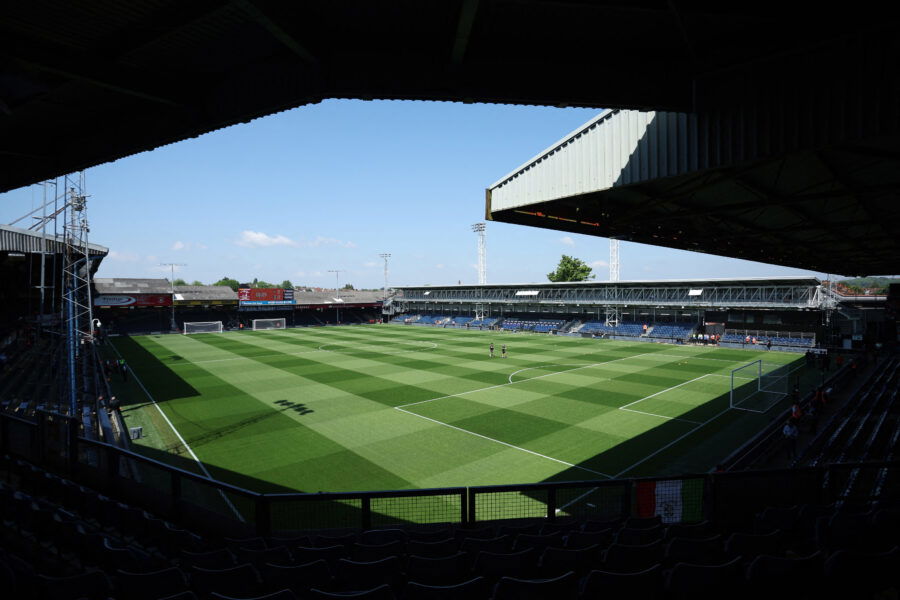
(332, 185)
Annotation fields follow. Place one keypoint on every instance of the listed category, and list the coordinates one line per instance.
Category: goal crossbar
(202, 327)
(261, 324)
(757, 389)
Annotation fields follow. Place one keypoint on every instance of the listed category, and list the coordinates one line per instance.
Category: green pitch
(390, 406)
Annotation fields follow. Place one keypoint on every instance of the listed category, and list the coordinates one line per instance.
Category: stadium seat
(511, 588)
(619, 557)
(326, 541)
(750, 545)
(468, 590)
(557, 561)
(536, 541)
(480, 533)
(299, 578)
(381, 592)
(702, 529)
(688, 581)
(585, 539)
(330, 554)
(242, 580)
(855, 574)
(430, 535)
(795, 577)
(253, 543)
(279, 595)
(213, 559)
(436, 549)
(368, 552)
(646, 584)
(643, 522)
(500, 545)
(377, 537)
(492, 565)
(355, 576)
(701, 551)
(449, 570)
(278, 555)
(781, 518)
(92, 585)
(637, 537)
(610, 525)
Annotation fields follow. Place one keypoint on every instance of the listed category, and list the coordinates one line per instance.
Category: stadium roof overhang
(649, 177)
(647, 283)
(25, 241)
(90, 81)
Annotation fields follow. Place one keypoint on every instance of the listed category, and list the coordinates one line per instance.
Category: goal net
(259, 324)
(202, 327)
(757, 386)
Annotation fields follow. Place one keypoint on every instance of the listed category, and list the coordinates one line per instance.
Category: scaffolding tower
(77, 313)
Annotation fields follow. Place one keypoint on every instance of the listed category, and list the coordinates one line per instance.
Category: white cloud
(122, 256)
(179, 245)
(567, 241)
(370, 263)
(439, 266)
(599, 263)
(327, 241)
(258, 239)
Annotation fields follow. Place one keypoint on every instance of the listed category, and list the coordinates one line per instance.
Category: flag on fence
(675, 500)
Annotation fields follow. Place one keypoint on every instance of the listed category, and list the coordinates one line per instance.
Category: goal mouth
(758, 387)
(264, 324)
(193, 327)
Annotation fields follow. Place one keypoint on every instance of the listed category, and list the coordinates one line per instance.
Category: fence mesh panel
(598, 502)
(290, 514)
(513, 504)
(416, 509)
(206, 503)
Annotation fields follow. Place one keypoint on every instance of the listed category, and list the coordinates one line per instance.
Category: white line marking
(544, 366)
(660, 416)
(183, 442)
(662, 391)
(562, 462)
(499, 385)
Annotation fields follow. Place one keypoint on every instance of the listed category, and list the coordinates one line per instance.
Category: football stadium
(570, 439)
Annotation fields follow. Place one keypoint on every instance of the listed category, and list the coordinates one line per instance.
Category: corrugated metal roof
(14, 239)
(121, 285)
(205, 292)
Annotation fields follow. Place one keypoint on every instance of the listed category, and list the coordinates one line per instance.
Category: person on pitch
(503, 351)
(492, 349)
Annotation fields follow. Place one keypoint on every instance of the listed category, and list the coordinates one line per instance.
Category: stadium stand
(64, 540)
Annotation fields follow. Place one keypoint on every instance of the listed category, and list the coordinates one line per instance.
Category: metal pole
(172, 287)
(337, 293)
(385, 256)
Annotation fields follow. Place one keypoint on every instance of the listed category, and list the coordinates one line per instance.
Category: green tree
(287, 285)
(179, 281)
(263, 284)
(232, 283)
(348, 286)
(196, 282)
(571, 269)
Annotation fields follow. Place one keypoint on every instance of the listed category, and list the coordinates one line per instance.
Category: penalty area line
(507, 444)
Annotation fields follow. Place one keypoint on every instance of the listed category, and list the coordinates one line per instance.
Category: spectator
(791, 433)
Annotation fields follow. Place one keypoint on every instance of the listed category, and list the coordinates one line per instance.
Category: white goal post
(259, 324)
(756, 388)
(202, 327)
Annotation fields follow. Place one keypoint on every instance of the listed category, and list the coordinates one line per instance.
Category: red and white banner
(133, 300)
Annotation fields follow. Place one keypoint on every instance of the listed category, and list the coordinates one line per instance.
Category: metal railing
(208, 505)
